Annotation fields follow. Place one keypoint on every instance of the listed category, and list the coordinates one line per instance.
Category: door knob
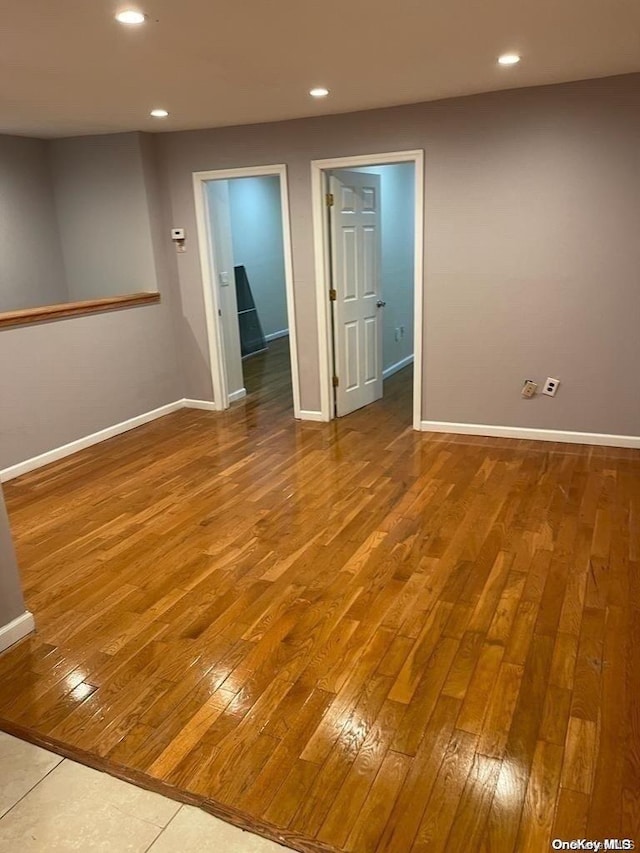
(380, 303)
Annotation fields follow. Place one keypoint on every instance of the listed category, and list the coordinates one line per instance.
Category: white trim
(399, 365)
(88, 440)
(418, 291)
(210, 294)
(310, 415)
(288, 279)
(275, 335)
(206, 405)
(43, 459)
(320, 251)
(320, 228)
(207, 267)
(16, 630)
(21, 468)
(237, 395)
(533, 434)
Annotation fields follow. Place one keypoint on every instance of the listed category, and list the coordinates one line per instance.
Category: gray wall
(532, 259)
(63, 380)
(31, 268)
(101, 202)
(11, 600)
(398, 223)
(531, 254)
(256, 231)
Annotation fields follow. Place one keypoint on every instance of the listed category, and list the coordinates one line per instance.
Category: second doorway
(371, 254)
(248, 287)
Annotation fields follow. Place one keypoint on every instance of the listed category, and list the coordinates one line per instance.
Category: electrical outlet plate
(550, 387)
(529, 388)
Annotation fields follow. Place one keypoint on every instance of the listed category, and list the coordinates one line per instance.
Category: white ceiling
(66, 66)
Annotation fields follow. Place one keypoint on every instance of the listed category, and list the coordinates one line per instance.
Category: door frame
(323, 268)
(209, 275)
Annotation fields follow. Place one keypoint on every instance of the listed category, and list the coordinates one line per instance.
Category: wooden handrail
(43, 314)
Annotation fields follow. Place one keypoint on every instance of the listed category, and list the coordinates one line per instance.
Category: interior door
(357, 309)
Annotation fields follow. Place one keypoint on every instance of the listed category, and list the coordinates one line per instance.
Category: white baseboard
(237, 395)
(308, 415)
(206, 405)
(81, 443)
(42, 459)
(274, 335)
(16, 630)
(394, 368)
(532, 434)
(95, 438)
(256, 352)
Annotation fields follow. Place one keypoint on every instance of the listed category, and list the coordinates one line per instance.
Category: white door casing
(211, 292)
(319, 170)
(221, 263)
(355, 260)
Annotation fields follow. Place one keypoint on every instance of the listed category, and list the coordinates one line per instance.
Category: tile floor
(48, 803)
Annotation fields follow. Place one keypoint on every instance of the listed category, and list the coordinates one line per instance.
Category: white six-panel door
(355, 256)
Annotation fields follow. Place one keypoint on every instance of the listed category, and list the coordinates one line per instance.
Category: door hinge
(329, 199)
(336, 381)
(333, 294)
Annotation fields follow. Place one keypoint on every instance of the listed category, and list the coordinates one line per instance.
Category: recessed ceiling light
(130, 16)
(508, 59)
(159, 113)
(319, 92)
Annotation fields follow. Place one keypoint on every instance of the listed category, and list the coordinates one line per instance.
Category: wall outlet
(550, 387)
(529, 388)
(397, 335)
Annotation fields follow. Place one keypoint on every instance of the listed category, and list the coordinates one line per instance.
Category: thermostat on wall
(177, 233)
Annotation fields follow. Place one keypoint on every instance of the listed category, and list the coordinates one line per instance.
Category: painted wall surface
(70, 378)
(397, 223)
(31, 267)
(11, 600)
(101, 202)
(531, 259)
(531, 250)
(256, 230)
(64, 380)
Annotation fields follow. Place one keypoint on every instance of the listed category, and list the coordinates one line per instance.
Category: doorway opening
(368, 225)
(245, 254)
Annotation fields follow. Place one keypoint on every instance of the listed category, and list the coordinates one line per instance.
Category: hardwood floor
(351, 636)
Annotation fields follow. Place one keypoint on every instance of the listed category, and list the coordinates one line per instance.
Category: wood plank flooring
(351, 636)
